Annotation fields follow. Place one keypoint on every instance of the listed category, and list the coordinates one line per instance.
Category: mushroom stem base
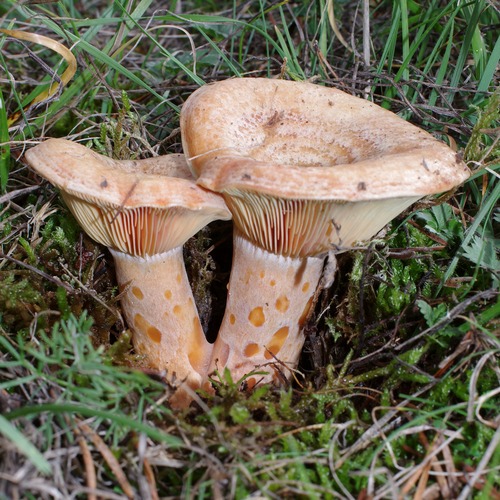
(159, 307)
(269, 300)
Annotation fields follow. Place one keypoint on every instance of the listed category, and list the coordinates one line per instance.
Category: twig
(17, 192)
(92, 294)
(43, 274)
(446, 320)
(385, 350)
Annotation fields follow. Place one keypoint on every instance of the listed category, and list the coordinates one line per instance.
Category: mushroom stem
(269, 299)
(160, 310)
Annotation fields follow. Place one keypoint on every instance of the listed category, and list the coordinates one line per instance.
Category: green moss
(62, 302)
(16, 296)
(30, 253)
(487, 119)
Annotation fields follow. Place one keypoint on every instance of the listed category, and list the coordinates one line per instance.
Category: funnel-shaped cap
(304, 168)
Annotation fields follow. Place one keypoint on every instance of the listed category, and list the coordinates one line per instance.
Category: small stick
(366, 32)
(17, 192)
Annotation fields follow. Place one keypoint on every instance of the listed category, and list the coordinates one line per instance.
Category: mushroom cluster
(303, 170)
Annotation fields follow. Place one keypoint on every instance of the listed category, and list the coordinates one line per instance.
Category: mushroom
(305, 170)
(144, 211)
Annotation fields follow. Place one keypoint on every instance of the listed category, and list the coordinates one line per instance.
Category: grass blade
(54, 86)
(11, 432)
(489, 203)
(465, 48)
(488, 77)
(87, 411)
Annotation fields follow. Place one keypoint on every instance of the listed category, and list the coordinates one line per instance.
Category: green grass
(399, 386)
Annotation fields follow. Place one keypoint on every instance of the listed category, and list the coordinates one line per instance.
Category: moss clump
(19, 300)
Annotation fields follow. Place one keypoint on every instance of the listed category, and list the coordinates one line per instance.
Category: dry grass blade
(451, 471)
(333, 24)
(422, 474)
(441, 476)
(422, 483)
(110, 459)
(474, 401)
(390, 420)
(407, 477)
(89, 467)
(56, 47)
(150, 478)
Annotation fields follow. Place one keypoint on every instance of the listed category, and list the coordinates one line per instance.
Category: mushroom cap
(140, 207)
(264, 134)
(279, 144)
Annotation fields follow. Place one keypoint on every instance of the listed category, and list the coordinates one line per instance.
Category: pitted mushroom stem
(159, 308)
(269, 299)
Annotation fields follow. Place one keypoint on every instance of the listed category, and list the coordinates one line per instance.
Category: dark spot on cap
(246, 177)
(424, 164)
(361, 186)
(274, 119)
(459, 158)
(104, 183)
